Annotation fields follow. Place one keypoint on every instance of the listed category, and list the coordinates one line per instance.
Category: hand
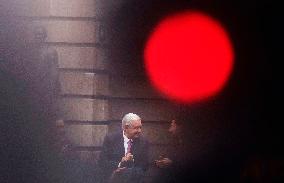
(127, 157)
(118, 170)
(163, 163)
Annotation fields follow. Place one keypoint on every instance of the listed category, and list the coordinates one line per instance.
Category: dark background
(243, 116)
(243, 120)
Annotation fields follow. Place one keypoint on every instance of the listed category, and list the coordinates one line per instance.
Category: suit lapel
(120, 145)
(135, 147)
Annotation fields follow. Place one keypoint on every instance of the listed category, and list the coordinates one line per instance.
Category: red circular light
(189, 57)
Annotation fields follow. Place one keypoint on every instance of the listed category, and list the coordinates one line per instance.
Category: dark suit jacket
(113, 151)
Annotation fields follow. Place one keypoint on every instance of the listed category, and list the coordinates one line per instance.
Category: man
(45, 86)
(165, 162)
(173, 166)
(26, 153)
(47, 63)
(124, 157)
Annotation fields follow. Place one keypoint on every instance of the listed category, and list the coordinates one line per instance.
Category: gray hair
(128, 118)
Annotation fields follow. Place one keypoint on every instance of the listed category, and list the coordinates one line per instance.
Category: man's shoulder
(114, 136)
(51, 50)
(143, 140)
(50, 53)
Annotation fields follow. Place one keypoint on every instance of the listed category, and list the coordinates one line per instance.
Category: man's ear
(124, 127)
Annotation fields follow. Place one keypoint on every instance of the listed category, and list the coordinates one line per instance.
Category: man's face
(39, 35)
(134, 130)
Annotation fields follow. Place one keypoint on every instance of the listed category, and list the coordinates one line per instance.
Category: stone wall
(94, 94)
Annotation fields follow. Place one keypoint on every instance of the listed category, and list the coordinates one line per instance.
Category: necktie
(129, 144)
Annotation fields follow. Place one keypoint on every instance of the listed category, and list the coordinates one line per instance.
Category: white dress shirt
(125, 144)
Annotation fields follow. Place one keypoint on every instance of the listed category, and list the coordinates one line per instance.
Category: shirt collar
(125, 137)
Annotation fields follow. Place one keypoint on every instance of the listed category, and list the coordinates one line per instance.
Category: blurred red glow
(189, 57)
